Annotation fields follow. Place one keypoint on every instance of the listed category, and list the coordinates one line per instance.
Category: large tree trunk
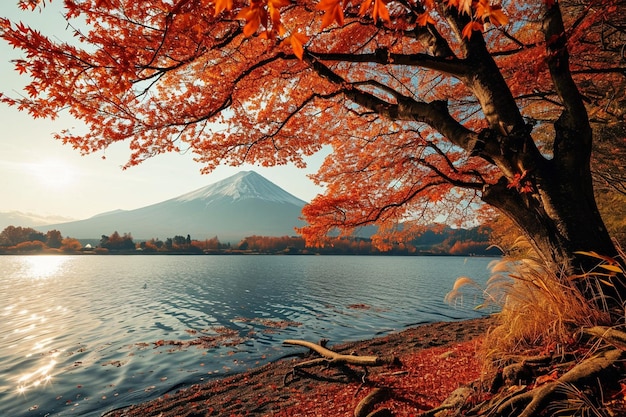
(571, 224)
(560, 218)
(550, 199)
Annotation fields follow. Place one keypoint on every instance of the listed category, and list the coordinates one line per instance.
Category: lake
(82, 335)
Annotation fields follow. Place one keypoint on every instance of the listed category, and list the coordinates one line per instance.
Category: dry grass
(540, 310)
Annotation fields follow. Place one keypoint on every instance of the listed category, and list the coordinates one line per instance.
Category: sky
(41, 175)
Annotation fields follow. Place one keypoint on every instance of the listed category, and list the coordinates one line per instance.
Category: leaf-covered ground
(436, 358)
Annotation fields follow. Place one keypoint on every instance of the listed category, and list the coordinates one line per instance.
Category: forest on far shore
(436, 240)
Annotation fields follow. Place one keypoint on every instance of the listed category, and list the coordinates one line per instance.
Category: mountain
(242, 205)
(18, 218)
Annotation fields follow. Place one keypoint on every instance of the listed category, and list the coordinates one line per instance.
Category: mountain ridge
(241, 186)
(242, 205)
(22, 219)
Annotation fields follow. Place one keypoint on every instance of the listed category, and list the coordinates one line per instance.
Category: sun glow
(41, 267)
(53, 173)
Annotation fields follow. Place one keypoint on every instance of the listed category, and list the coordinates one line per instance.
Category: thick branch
(573, 139)
(434, 114)
(524, 211)
(455, 67)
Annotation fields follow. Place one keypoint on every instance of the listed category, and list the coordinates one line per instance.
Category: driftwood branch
(330, 358)
(334, 358)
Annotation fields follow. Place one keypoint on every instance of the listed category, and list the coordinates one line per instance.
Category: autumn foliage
(17, 239)
(430, 108)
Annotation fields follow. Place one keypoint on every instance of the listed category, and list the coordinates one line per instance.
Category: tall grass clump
(539, 309)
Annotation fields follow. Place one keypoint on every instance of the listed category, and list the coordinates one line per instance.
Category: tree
(429, 106)
(12, 236)
(54, 239)
(29, 246)
(71, 245)
(179, 241)
(117, 242)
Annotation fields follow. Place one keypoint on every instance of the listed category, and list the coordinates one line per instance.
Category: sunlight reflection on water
(79, 335)
(41, 267)
(31, 320)
(38, 377)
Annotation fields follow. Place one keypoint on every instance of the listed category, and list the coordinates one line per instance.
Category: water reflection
(34, 339)
(32, 321)
(41, 267)
(77, 330)
(39, 376)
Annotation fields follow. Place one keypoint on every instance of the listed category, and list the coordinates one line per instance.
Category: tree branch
(572, 145)
(434, 114)
(455, 67)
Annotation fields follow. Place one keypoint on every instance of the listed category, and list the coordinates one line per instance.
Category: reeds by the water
(539, 308)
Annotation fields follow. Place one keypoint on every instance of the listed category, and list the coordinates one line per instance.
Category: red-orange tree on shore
(429, 106)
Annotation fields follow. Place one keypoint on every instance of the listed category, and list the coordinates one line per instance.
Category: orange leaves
(379, 12)
(494, 14)
(482, 12)
(274, 7)
(471, 27)
(107, 4)
(30, 4)
(267, 14)
(521, 183)
(255, 15)
(221, 5)
(544, 379)
(425, 19)
(333, 12)
(297, 41)
(463, 6)
(178, 7)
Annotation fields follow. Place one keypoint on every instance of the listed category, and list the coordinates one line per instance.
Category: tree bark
(555, 205)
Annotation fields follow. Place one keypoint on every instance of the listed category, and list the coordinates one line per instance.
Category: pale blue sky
(40, 175)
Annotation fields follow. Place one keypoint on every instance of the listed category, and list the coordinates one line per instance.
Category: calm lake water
(82, 335)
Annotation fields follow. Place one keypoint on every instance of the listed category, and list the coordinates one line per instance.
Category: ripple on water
(101, 332)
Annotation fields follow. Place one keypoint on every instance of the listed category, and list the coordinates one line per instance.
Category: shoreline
(432, 356)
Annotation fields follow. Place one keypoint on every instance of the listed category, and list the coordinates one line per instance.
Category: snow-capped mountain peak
(241, 186)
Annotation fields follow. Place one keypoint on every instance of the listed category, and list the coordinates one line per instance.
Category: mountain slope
(17, 218)
(242, 205)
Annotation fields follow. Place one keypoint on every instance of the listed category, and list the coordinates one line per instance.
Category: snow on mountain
(242, 205)
(242, 186)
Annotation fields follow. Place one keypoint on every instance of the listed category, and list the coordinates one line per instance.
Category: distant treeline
(439, 241)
